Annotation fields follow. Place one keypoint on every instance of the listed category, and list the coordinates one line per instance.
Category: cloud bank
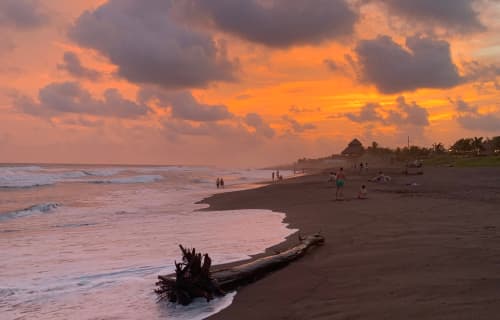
(424, 63)
(22, 14)
(469, 117)
(403, 113)
(69, 97)
(72, 65)
(149, 47)
(184, 106)
(453, 15)
(296, 126)
(280, 23)
(261, 127)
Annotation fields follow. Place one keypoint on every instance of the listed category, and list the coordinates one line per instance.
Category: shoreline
(255, 186)
(406, 252)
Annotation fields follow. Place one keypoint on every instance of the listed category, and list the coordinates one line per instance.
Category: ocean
(88, 241)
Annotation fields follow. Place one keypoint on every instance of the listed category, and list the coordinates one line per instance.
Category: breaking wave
(36, 209)
(133, 179)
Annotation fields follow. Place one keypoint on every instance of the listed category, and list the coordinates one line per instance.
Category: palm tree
(477, 145)
(438, 147)
(463, 145)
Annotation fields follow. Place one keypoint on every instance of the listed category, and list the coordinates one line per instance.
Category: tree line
(475, 146)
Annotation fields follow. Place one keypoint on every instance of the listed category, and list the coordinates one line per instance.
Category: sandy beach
(420, 247)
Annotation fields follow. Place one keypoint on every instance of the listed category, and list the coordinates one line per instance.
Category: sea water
(87, 242)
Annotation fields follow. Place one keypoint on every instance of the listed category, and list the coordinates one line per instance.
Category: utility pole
(408, 142)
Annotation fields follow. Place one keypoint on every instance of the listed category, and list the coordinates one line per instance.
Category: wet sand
(424, 251)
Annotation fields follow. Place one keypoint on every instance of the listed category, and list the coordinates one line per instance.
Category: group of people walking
(220, 183)
(276, 176)
(362, 166)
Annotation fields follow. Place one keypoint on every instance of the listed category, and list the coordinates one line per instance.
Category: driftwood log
(193, 278)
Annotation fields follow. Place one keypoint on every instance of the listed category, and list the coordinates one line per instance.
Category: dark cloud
(332, 65)
(408, 114)
(469, 117)
(74, 67)
(82, 122)
(453, 15)
(369, 112)
(184, 106)
(426, 63)
(480, 122)
(462, 106)
(234, 134)
(295, 109)
(22, 14)
(481, 73)
(180, 127)
(280, 23)
(70, 97)
(402, 114)
(237, 130)
(148, 46)
(296, 126)
(261, 127)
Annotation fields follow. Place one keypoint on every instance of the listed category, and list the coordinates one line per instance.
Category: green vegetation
(465, 152)
(463, 161)
(489, 161)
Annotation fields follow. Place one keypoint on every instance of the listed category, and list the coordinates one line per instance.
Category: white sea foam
(33, 176)
(107, 244)
(11, 177)
(36, 209)
(103, 172)
(131, 179)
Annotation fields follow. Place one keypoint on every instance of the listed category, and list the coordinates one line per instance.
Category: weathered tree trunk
(193, 279)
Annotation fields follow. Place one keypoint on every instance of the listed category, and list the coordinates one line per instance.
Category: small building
(354, 149)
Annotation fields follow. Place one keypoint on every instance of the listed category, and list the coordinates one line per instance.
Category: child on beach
(363, 192)
(332, 177)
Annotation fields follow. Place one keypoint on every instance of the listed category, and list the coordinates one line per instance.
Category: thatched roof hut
(354, 149)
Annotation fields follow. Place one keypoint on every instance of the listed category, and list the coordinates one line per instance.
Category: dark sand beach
(424, 251)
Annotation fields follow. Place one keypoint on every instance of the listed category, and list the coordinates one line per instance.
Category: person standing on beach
(222, 183)
(340, 181)
(217, 182)
(363, 193)
(273, 176)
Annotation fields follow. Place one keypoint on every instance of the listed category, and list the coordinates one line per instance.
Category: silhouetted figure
(217, 183)
(273, 176)
(363, 192)
(340, 182)
(222, 183)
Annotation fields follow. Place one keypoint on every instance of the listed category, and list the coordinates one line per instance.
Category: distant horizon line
(4, 164)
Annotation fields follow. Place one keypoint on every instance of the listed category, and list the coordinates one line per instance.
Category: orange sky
(249, 83)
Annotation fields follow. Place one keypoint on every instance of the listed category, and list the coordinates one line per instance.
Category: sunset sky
(242, 82)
